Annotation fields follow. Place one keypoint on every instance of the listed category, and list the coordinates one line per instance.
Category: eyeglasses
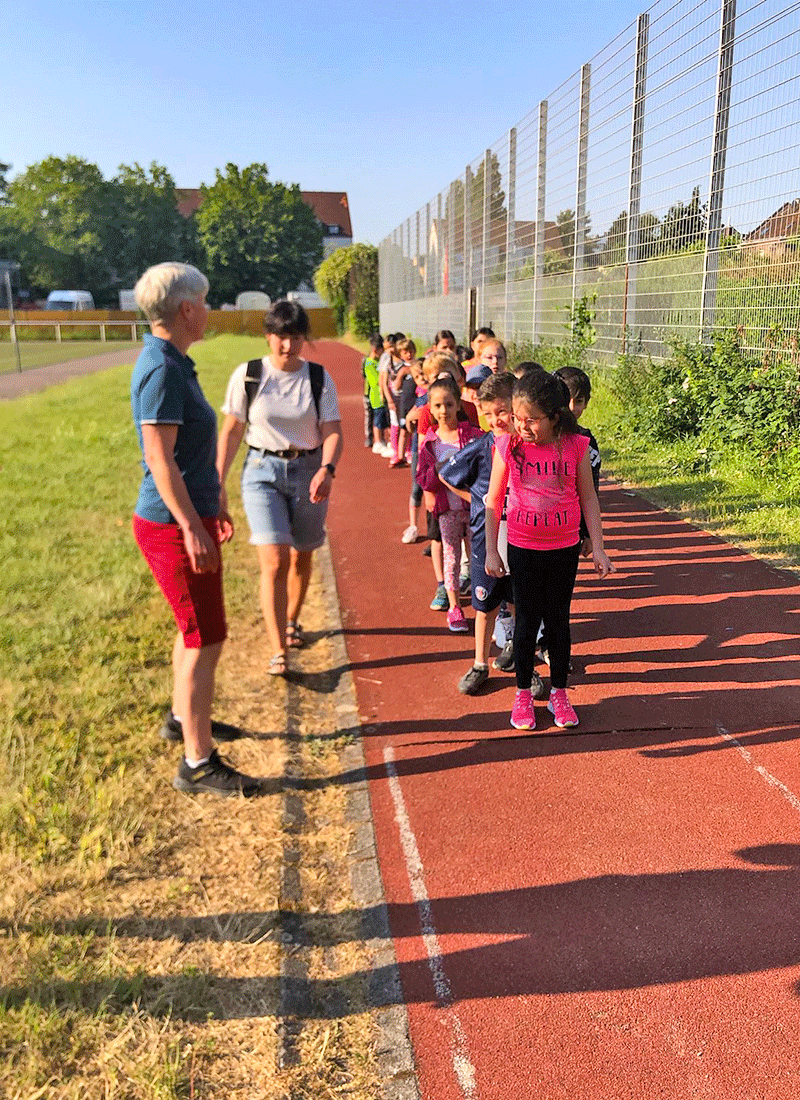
(528, 421)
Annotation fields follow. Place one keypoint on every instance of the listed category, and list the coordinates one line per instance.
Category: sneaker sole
(185, 787)
(458, 629)
(519, 726)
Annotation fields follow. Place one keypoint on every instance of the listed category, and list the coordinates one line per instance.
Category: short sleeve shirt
(165, 390)
(543, 509)
(282, 415)
(471, 468)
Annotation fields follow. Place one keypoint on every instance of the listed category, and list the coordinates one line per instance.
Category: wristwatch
(329, 466)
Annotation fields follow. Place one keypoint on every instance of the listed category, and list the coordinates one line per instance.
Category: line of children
(536, 461)
(545, 468)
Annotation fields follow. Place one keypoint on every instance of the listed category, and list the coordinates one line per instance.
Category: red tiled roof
(189, 198)
(331, 207)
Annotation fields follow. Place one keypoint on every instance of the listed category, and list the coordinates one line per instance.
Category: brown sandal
(294, 635)
(277, 666)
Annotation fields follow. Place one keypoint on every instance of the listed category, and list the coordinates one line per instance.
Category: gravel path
(40, 378)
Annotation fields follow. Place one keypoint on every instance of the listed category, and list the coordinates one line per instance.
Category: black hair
(525, 367)
(463, 353)
(497, 387)
(550, 394)
(445, 382)
(287, 318)
(481, 332)
(443, 334)
(576, 381)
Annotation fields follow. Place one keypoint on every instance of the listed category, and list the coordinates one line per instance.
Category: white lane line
(768, 777)
(459, 1051)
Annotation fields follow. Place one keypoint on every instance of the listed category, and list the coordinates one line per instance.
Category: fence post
(580, 191)
(538, 241)
(632, 252)
(467, 244)
(511, 204)
(716, 185)
(487, 173)
(440, 245)
(58, 334)
(102, 334)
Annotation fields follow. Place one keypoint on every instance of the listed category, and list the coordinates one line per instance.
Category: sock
(177, 718)
(480, 664)
(193, 764)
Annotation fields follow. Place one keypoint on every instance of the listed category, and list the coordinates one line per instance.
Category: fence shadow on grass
(611, 932)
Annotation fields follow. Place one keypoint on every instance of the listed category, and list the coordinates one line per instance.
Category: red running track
(608, 912)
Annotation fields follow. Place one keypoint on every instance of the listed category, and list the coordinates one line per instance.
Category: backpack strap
(316, 374)
(252, 380)
(255, 371)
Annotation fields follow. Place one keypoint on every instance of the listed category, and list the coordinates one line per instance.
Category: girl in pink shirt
(545, 467)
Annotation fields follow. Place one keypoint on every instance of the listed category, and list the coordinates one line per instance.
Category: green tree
(59, 225)
(332, 282)
(4, 168)
(147, 228)
(684, 224)
(256, 235)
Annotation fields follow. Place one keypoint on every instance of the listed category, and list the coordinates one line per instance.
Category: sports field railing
(662, 180)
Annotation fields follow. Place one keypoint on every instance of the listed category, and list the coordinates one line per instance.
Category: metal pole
(511, 204)
(717, 181)
(13, 327)
(632, 249)
(580, 191)
(487, 172)
(538, 243)
(467, 244)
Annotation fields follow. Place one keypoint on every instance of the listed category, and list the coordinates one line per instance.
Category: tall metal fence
(663, 178)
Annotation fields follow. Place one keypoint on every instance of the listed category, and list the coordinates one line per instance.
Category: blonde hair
(405, 345)
(441, 361)
(162, 288)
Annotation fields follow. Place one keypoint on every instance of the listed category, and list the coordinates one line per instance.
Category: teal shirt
(165, 390)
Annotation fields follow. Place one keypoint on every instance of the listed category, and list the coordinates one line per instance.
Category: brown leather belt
(293, 452)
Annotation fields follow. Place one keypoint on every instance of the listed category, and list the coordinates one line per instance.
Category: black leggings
(543, 581)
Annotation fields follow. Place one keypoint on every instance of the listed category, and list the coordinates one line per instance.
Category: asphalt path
(16, 383)
(603, 912)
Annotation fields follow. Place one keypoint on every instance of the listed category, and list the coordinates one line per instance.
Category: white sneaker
(387, 451)
(377, 449)
(410, 534)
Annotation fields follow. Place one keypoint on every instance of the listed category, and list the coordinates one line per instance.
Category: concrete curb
(395, 1054)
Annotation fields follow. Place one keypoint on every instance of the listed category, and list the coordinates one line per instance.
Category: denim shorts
(275, 498)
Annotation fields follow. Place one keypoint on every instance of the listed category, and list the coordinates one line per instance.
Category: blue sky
(386, 102)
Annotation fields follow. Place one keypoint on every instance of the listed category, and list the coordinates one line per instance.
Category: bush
(716, 390)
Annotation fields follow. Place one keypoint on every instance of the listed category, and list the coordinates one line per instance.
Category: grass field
(750, 501)
(115, 980)
(43, 353)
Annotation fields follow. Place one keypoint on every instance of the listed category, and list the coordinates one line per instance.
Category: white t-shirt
(282, 415)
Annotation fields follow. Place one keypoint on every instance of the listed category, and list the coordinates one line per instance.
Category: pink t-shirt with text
(543, 509)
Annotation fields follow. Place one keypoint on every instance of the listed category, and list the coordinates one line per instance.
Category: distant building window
(334, 229)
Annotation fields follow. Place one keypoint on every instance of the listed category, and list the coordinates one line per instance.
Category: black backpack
(255, 371)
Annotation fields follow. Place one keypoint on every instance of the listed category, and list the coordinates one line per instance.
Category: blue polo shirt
(165, 390)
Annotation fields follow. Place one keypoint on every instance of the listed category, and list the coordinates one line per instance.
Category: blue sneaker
(440, 601)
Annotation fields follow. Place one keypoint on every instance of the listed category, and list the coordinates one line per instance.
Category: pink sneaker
(522, 713)
(561, 708)
(456, 621)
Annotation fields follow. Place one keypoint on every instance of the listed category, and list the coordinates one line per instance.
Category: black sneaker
(505, 658)
(172, 730)
(426, 553)
(538, 690)
(472, 680)
(216, 776)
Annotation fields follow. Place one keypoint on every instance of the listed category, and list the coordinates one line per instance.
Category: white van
(69, 299)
